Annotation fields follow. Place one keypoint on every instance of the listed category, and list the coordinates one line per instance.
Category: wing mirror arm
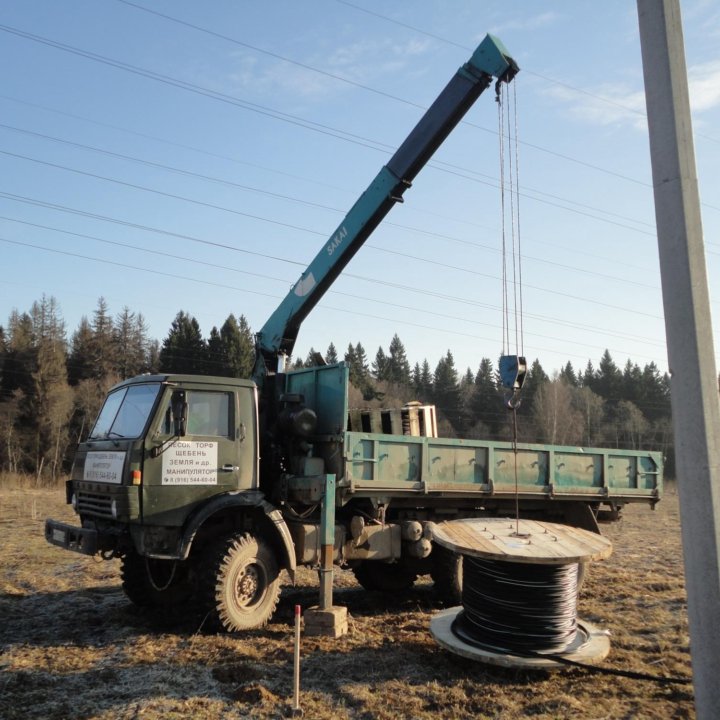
(180, 412)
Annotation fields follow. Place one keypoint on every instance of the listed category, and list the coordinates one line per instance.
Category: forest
(52, 386)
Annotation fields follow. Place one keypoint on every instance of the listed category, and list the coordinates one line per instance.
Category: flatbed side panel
(376, 462)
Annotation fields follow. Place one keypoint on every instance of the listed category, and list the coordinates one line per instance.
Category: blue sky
(197, 156)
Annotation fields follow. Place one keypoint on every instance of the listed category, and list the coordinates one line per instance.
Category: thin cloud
(532, 22)
(704, 86)
(360, 62)
(605, 105)
(622, 105)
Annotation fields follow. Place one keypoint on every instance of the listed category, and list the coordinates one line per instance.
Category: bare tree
(557, 422)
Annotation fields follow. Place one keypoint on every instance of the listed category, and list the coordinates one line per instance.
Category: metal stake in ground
(296, 709)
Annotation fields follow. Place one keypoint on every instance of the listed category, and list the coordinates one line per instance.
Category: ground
(71, 646)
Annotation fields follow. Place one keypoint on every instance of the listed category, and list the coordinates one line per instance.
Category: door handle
(229, 468)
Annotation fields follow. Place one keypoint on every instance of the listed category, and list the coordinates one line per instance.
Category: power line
(254, 107)
(302, 264)
(296, 227)
(560, 83)
(224, 286)
(288, 282)
(308, 203)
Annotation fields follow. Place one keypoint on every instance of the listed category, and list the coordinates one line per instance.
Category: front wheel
(242, 583)
(152, 583)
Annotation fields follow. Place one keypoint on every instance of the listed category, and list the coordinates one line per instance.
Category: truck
(208, 488)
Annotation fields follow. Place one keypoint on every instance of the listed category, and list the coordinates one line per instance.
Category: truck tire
(447, 573)
(241, 584)
(151, 583)
(384, 577)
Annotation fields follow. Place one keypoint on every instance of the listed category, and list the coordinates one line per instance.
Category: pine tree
(535, 379)
(608, 379)
(631, 384)
(398, 367)
(357, 363)
(184, 350)
(130, 340)
(568, 376)
(380, 366)
(230, 350)
(80, 365)
(486, 406)
(468, 380)
(446, 391)
(588, 377)
(152, 358)
(331, 356)
(312, 357)
(654, 397)
(425, 388)
(19, 357)
(102, 349)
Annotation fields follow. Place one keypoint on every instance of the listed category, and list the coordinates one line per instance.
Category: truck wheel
(447, 573)
(242, 585)
(154, 583)
(384, 577)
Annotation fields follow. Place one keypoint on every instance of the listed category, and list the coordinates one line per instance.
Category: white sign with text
(190, 463)
(104, 467)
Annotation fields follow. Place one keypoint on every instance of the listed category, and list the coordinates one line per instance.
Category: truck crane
(206, 488)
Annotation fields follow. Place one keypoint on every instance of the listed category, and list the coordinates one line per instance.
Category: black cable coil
(518, 606)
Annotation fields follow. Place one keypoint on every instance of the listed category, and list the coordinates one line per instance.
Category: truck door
(215, 454)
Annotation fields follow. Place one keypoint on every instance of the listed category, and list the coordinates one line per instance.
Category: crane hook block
(513, 369)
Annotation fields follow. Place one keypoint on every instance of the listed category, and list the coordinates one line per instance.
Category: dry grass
(72, 646)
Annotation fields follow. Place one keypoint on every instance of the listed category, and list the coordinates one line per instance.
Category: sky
(175, 155)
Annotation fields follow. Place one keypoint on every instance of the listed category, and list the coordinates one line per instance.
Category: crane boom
(277, 336)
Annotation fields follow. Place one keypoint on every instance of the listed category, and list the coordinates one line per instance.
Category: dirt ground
(71, 646)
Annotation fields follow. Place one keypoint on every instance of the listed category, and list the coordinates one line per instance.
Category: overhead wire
(296, 227)
(287, 282)
(251, 216)
(554, 81)
(247, 188)
(446, 167)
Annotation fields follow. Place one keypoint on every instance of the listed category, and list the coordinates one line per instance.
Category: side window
(209, 413)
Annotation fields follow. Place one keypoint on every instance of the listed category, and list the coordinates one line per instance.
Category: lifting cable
(510, 219)
(513, 368)
(524, 609)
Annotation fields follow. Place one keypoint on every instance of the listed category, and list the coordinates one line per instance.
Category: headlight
(74, 502)
(113, 509)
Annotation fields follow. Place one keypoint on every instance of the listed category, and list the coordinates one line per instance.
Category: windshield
(125, 412)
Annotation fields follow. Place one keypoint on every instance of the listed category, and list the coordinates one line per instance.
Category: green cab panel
(218, 453)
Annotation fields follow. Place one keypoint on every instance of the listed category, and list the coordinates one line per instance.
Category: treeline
(51, 387)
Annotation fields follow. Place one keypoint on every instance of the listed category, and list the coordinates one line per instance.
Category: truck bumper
(69, 537)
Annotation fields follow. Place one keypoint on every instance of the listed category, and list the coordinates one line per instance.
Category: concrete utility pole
(694, 384)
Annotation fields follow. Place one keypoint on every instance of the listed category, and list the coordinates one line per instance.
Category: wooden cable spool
(519, 603)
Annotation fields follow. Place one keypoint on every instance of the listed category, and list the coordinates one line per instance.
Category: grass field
(71, 646)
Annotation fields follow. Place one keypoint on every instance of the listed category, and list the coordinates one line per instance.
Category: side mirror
(179, 411)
